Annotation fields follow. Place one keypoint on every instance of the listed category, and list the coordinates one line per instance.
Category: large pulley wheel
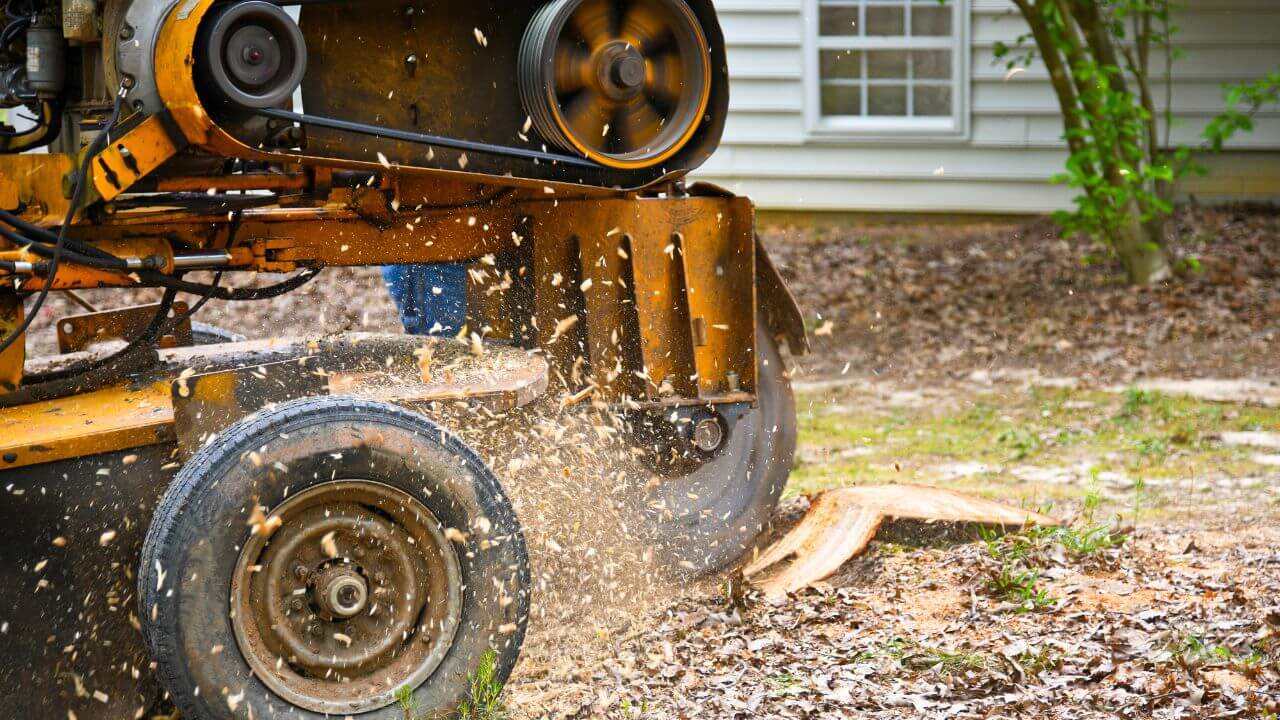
(250, 55)
(623, 82)
(320, 556)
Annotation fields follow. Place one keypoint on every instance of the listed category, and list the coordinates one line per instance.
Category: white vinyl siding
(1011, 143)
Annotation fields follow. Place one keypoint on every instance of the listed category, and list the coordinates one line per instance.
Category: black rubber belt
(423, 139)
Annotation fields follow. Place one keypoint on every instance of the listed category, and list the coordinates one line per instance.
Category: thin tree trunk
(1140, 250)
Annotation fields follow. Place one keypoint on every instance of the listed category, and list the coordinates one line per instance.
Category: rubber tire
(205, 334)
(196, 533)
(738, 491)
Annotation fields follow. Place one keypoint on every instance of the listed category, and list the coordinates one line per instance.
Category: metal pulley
(625, 84)
(250, 55)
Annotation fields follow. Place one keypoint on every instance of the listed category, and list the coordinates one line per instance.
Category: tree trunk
(1141, 249)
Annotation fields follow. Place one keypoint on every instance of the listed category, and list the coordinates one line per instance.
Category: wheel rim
(357, 593)
(623, 83)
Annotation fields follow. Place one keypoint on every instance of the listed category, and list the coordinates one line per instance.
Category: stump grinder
(283, 528)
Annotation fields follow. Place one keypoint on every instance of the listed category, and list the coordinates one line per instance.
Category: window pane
(841, 100)
(887, 100)
(887, 64)
(838, 21)
(846, 64)
(932, 64)
(883, 20)
(932, 101)
(931, 19)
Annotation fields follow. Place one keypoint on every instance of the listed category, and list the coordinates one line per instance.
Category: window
(887, 67)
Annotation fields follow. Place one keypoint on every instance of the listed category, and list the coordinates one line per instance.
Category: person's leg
(431, 299)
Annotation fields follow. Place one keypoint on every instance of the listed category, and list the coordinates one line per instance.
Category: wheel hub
(341, 592)
(356, 594)
(620, 71)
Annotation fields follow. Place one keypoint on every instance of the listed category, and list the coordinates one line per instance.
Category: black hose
(90, 375)
(74, 256)
(150, 277)
(35, 233)
(147, 337)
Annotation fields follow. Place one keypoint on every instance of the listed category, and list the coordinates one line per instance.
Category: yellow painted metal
(276, 239)
(128, 159)
(114, 418)
(135, 414)
(34, 183)
(72, 276)
(613, 330)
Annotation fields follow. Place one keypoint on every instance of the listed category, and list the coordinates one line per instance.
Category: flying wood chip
(841, 523)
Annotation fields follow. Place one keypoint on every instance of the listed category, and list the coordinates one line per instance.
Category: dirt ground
(1004, 361)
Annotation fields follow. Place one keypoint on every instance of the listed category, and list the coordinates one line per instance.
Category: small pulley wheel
(251, 54)
(623, 82)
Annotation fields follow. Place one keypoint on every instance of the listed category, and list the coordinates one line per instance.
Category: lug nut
(296, 604)
(301, 571)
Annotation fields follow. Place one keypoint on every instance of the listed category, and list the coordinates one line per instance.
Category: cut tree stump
(841, 523)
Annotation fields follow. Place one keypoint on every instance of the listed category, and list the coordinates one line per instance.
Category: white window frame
(952, 128)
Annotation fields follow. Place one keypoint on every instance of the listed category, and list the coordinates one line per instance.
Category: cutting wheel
(624, 83)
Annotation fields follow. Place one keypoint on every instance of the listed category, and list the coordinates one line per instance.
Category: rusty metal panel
(718, 252)
(77, 333)
(703, 293)
(613, 330)
(663, 313)
(558, 304)
(204, 404)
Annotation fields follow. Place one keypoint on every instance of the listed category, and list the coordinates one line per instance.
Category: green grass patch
(1138, 434)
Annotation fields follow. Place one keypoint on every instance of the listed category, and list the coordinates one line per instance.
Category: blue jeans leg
(431, 299)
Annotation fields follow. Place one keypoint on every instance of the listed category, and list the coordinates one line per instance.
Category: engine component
(625, 84)
(14, 89)
(80, 21)
(252, 55)
(46, 59)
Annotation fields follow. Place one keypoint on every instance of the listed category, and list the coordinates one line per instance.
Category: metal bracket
(76, 333)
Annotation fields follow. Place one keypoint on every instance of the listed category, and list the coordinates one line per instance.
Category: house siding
(1013, 144)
